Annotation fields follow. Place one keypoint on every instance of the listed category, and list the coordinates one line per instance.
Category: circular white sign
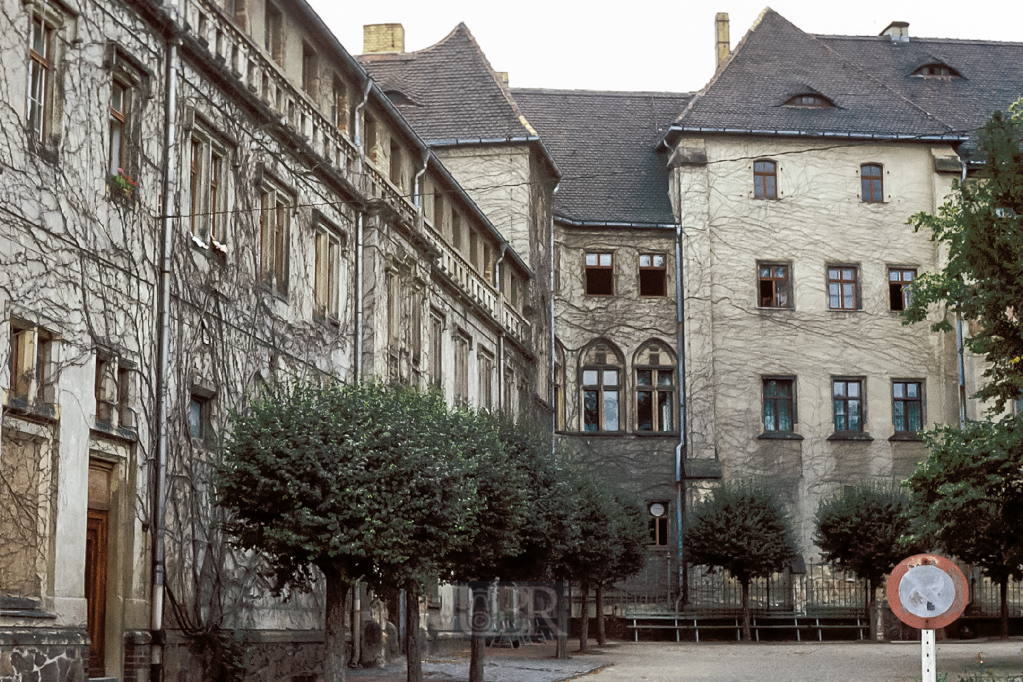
(927, 591)
(657, 510)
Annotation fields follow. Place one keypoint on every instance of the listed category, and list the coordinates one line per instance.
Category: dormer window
(937, 70)
(810, 100)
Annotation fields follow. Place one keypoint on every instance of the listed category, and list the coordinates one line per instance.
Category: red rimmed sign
(927, 591)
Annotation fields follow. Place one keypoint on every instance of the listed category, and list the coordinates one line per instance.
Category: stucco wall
(817, 220)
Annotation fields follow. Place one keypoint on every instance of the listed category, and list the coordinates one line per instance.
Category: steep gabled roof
(776, 60)
(605, 144)
(991, 73)
(451, 89)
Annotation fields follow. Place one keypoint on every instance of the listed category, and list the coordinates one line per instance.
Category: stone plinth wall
(262, 656)
(43, 654)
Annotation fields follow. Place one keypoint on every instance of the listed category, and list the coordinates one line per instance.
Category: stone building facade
(199, 199)
(794, 187)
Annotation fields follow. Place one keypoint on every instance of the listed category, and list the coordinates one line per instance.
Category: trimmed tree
(743, 528)
(631, 538)
(969, 497)
(604, 542)
(358, 481)
(866, 530)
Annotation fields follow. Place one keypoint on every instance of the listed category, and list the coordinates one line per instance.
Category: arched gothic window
(655, 387)
(601, 374)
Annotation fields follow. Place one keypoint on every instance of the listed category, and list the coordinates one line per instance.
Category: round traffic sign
(927, 591)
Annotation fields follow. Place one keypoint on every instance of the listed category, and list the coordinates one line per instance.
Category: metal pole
(928, 652)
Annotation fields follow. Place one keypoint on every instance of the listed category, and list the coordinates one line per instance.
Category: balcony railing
(265, 79)
(254, 68)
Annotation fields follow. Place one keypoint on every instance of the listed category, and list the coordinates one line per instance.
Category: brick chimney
(724, 43)
(898, 31)
(377, 38)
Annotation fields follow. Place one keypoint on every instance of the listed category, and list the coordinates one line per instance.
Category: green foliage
(605, 534)
(741, 527)
(969, 494)
(981, 226)
(866, 530)
(361, 480)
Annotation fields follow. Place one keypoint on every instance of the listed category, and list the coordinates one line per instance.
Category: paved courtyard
(724, 662)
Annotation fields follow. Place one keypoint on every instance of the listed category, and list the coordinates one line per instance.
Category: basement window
(599, 274)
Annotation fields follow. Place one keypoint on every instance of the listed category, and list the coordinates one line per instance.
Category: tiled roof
(448, 91)
(869, 79)
(605, 145)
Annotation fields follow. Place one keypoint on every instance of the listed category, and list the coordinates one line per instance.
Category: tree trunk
(413, 657)
(601, 635)
(872, 608)
(334, 663)
(1003, 589)
(477, 645)
(747, 635)
(584, 624)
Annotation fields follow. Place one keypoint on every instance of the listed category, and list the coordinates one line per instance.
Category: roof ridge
(620, 93)
(497, 79)
(698, 95)
(880, 83)
(971, 41)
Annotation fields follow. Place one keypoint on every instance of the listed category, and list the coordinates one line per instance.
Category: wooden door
(96, 588)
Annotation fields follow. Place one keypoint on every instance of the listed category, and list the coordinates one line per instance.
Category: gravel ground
(530, 663)
(806, 662)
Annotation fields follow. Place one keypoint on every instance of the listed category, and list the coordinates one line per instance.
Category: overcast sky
(646, 44)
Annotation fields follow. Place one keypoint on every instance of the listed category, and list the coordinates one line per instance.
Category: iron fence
(819, 590)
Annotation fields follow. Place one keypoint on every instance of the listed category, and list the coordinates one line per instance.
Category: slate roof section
(605, 144)
(869, 79)
(450, 89)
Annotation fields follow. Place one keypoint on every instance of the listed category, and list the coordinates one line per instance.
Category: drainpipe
(959, 347)
(417, 194)
(170, 171)
(500, 322)
(554, 357)
(359, 225)
(680, 474)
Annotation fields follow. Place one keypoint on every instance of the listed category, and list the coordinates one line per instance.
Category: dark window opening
(937, 70)
(774, 285)
(652, 275)
(599, 274)
(899, 280)
(658, 524)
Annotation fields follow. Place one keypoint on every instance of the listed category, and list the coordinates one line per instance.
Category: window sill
(850, 435)
(656, 434)
(106, 430)
(845, 310)
(327, 320)
(49, 413)
(906, 436)
(601, 434)
(779, 435)
(772, 308)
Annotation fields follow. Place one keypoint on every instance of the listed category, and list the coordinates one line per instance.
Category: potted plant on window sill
(122, 185)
